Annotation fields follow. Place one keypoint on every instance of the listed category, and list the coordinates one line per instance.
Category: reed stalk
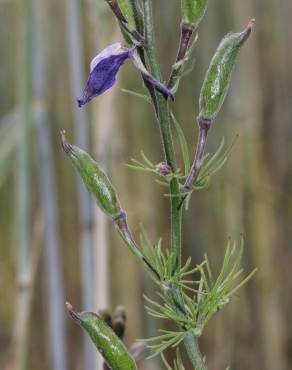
(23, 198)
(52, 256)
(82, 132)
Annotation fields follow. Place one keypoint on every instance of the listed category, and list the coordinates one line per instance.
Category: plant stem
(166, 137)
(185, 37)
(191, 341)
(194, 172)
(194, 353)
(202, 139)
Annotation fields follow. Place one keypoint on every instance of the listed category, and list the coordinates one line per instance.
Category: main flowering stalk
(166, 138)
(191, 341)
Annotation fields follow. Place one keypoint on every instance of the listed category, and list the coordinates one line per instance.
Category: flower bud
(119, 327)
(216, 83)
(103, 70)
(163, 168)
(193, 12)
(120, 311)
(106, 341)
(119, 321)
(94, 178)
(105, 66)
(106, 317)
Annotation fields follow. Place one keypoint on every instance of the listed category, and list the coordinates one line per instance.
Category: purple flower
(105, 66)
(103, 70)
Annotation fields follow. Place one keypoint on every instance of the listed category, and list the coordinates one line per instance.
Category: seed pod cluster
(94, 178)
(216, 83)
(106, 341)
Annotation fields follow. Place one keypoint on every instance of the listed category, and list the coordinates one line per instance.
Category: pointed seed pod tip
(74, 315)
(67, 147)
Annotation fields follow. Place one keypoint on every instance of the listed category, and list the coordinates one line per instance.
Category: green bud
(193, 12)
(216, 83)
(94, 178)
(106, 341)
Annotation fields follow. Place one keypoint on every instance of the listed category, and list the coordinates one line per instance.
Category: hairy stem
(191, 342)
(194, 353)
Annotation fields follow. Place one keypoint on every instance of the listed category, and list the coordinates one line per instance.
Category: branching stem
(194, 172)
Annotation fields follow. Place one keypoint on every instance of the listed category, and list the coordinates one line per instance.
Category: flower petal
(103, 70)
(110, 50)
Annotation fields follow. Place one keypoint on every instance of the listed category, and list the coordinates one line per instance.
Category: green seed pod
(216, 83)
(193, 12)
(106, 341)
(128, 11)
(138, 15)
(94, 178)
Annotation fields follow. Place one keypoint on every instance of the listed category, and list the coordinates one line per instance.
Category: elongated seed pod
(106, 341)
(193, 12)
(216, 83)
(128, 11)
(94, 178)
(138, 15)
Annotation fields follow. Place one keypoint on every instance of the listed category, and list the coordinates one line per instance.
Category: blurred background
(56, 246)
